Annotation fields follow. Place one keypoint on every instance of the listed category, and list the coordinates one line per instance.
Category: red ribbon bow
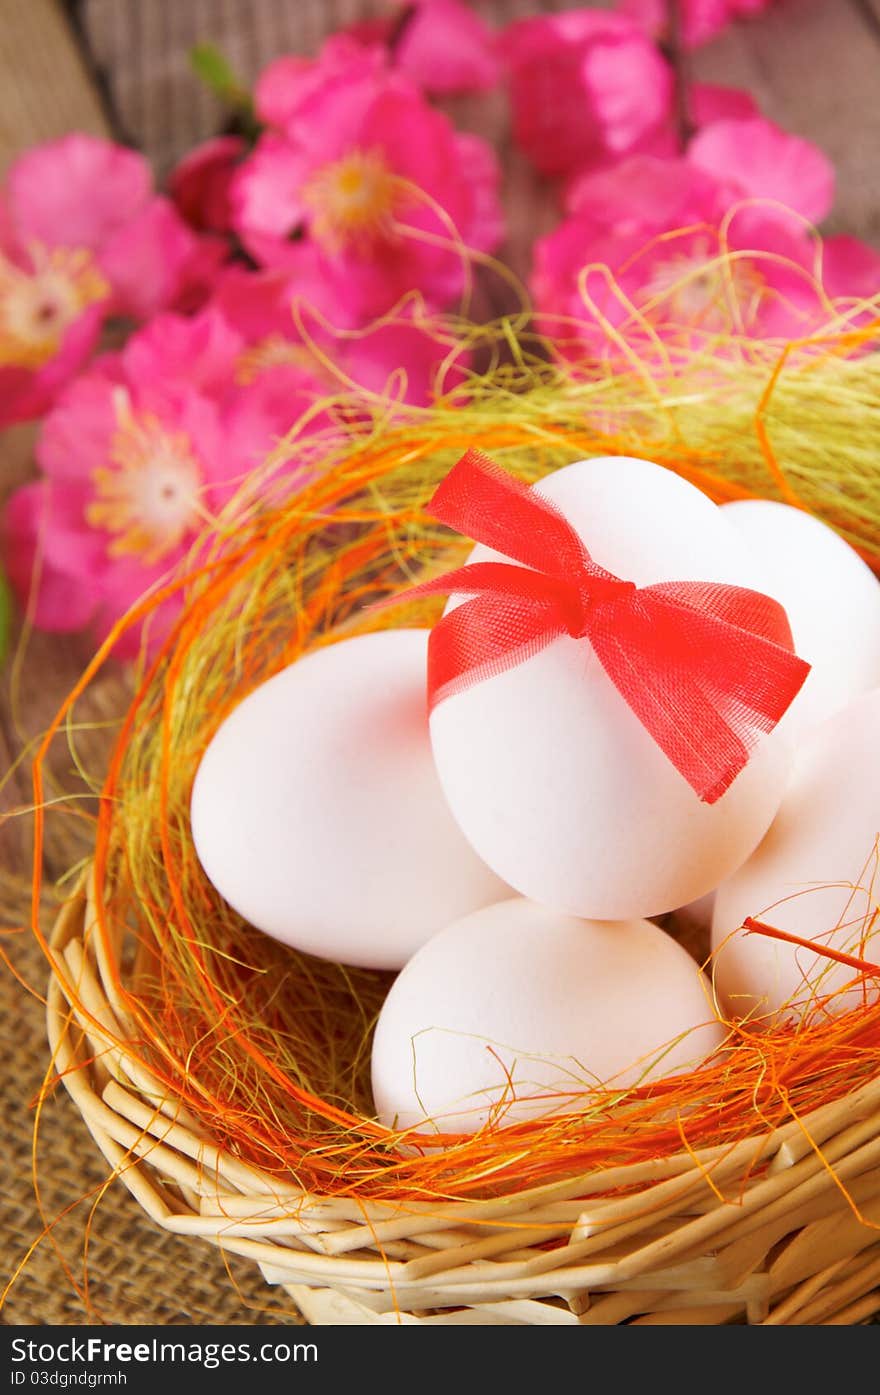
(706, 668)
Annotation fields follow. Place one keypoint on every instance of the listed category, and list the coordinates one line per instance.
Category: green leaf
(215, 70)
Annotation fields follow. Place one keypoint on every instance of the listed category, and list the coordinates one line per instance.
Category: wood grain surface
(814, 66)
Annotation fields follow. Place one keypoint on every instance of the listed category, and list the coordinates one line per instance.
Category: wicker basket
(760, 1232)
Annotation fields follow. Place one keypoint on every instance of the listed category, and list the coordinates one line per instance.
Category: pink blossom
(135, 457)
(155, 261)
(710, 102)
(702, 20)
(850, 270)
(759, 160)
(403, 355)
(199, 183)
(290, 86)
(441, 45)
(368, 192)
(150, 442)
(644, 195)
(707, 103)
(76, 191)
(202, 351)
(445, 47)
(585, 85)
(82, 237)
(738, 158)
(628, 259)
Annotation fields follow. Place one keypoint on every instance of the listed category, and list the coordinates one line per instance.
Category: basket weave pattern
(781, 1228)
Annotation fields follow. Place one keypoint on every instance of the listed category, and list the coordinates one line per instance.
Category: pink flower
(759, 160)
(76, 191)
(585, 85)
(404, 355)
(707, 103)
(82, 237)
(850, 271)
(150, 442)
(202, 352)
(287, 86)
(199, 183)
(444, 47)
(136, 456)
(701, 19)
(643, 195)
(441, 45)
(368, 192)
(738, 158)
(625, 258)
(157, 262)
(710, 102)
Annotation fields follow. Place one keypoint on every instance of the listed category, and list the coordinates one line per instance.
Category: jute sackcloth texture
(133, 1271)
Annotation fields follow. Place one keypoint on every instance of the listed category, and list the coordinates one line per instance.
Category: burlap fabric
(132, 1271)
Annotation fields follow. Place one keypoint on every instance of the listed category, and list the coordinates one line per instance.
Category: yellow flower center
(702, 289)
(352, 200)
(37, 306)
(274, 352)
(148, 494)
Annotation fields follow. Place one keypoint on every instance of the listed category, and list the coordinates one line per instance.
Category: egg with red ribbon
(604, 710)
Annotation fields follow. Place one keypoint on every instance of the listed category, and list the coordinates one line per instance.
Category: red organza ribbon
(706, 668)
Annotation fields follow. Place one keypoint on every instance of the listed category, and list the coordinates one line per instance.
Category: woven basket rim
(781, 1226)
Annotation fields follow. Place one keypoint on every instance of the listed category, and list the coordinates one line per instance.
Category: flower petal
(850, 268)
(26, 394)
(77, 191)
(156, 260)
(75, 436)
(125, 586)
(47, 550)
(762, 161)
(290, 89)
(199, 184)
(266, 193)
(447, 48)
(200, 349)
(702, 20)
(584, 85)
(645, 194)
(258, 417)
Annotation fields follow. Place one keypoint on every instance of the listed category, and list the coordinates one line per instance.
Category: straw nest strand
(238, 1069)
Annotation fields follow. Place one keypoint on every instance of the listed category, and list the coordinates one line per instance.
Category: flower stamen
(273, 352)
(39, 304)
(147, 496)
(353, 201)
(702, 290)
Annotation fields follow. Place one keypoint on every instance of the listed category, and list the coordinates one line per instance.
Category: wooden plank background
(813, 65)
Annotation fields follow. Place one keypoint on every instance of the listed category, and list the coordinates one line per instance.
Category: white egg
(832, 599)
(551, 775)
(318, 815)
(517, 1011)
(815, 875)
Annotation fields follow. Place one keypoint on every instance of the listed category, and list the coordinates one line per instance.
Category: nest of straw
(239, 1069)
